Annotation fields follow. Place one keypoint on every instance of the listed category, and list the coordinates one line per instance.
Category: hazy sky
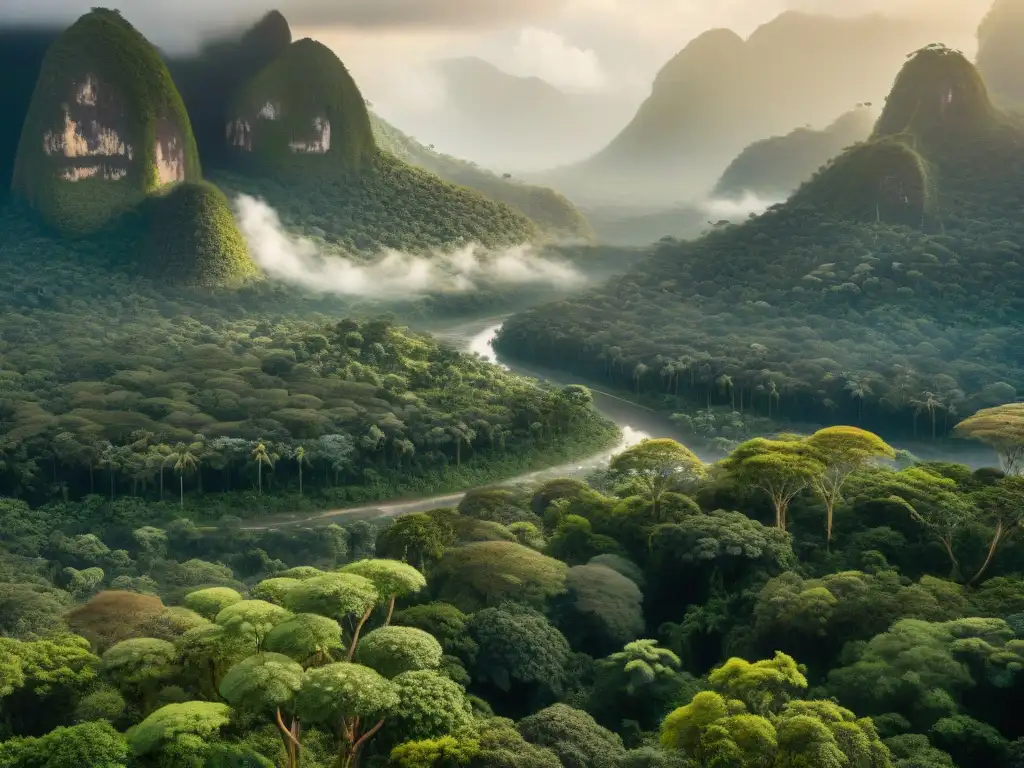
(579, 44)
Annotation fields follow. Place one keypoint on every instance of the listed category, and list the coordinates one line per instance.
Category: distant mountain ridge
(510, 123)
(721, 93)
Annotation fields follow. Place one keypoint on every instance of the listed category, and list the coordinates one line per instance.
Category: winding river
(635, 421)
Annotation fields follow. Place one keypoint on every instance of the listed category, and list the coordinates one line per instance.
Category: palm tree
(725, 384)
(638, 374)
(158, 456)
(300, 459)
(261, 457)
(184, 461)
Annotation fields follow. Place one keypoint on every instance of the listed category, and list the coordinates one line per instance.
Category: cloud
(392, 274)
(549, 56)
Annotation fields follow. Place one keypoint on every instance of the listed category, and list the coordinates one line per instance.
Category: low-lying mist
(738, 209)
(392, 274)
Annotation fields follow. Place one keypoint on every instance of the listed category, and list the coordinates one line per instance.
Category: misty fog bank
(391, 274)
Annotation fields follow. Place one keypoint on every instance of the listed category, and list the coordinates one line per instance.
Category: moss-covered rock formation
(1001, 52)
(882, 180)
(209, 80)
(191, 238)
(937, 93)
(301, 112)
(773, 168)
(105, 128)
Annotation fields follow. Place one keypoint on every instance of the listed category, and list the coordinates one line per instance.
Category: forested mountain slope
(550, 211)
(886, 291)
(773, 168)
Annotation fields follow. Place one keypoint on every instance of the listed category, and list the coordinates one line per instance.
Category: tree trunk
(355, 635)
(259, 476)
(300, 479)
(391, 610)
(181, 490)
(991, 553)
(161, 482)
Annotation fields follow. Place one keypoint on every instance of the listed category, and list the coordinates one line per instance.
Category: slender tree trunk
(992, 547)
(391, 610)
(181, 490)
(161, 482)
(291, 742)
(829, 506)
(355, 635)
(300, 479)
(259, 476)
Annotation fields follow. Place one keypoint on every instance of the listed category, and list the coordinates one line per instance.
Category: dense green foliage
(884, 293)
(550, 211)
(106, 46)
(773, 168)
(387, 204)
(191, 238)
(757, 645)
(193, 393)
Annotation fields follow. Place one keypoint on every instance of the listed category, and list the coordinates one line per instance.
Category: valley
(669, 415)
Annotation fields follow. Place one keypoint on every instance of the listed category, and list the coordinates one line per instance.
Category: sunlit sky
(604, 45)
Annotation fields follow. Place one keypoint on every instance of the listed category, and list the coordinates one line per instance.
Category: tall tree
(1002, 429)
(781, 468)
(842, 451)
(261, 456)
(658, 465)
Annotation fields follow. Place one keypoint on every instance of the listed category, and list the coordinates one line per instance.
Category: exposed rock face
(106, 127)
(304, 104)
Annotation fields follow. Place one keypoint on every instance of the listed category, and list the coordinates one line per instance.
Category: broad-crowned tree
(657, 466)
(780, 468)
(307, 638)
(252, 619)
(266, 685)
(842, 451)
(347, 598)
(392, 578)
(348, 699)
(139, 667)
(574, 736)
(179, 734)
(394, 650)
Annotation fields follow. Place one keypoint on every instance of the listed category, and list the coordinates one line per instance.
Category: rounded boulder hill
(106, 127)
(938, 93)
(191, 238)
(303, 111)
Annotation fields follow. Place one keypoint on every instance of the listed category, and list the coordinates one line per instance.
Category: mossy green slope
(303, 112)
(191, 238)
(882, 180)
(773, 168)
(550, 211)
(938, 92)
(105, 128)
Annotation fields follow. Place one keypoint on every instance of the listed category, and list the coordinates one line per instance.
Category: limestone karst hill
(105, 128)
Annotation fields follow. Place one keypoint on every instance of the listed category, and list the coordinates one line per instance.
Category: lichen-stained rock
(106, 127)
(303, 111)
